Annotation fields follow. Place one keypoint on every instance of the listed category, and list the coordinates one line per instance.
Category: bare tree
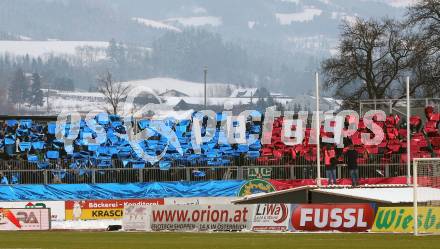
(114, 92)
(424, 19)
(372, 58)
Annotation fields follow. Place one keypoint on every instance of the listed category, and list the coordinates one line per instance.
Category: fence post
(188, 174)
(240, 173)
(391, 107)
(339, 171)
(387, 170)
(45, 177)
(93, 176)
(141, 175)
(292, 172)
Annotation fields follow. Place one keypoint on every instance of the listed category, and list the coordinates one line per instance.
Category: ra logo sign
(6, 214)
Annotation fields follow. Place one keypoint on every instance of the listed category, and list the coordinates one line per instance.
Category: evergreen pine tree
(18, 88)
(36, 92)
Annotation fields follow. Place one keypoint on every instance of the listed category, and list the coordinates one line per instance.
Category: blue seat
(92, 147)
(164, 165)
(52, 154)
(25, 146)
(51, 128)
(116, 124)
(143, 124)
(255, 129)
(124, 155)
(198, 173)
(255, 146)
(104, 163)
(38, 145)
(9, 140)
(242, 148)
(102, 119)
(32, 158)
(42, 165)
(253, 154)
(138, 165)
(22, 132)
(25, 123)
(11, 123)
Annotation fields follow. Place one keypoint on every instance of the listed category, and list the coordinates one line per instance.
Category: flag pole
(408, 134)
(318, 131)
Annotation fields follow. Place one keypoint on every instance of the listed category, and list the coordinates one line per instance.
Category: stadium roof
(390, 195)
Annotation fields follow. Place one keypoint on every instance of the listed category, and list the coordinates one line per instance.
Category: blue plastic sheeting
(120, 191)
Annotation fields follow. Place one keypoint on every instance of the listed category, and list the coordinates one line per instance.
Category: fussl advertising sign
(328, 217)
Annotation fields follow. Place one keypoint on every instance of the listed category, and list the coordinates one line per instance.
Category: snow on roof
(306, 15)
(178, 115)
(195, 21)
(172, 101)
(244, 92)
(195, 89)
(392, 195)
(41, 48)
(155, 24)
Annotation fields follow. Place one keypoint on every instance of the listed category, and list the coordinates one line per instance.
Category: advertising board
(332, 217)
(270, 217)
(136, 218)
(24, 219)
(103, 209)
(401, 220)
(57, 209)
(200, 217)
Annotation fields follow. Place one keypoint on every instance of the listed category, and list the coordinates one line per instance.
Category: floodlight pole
(205, 72)
(318, 131)
(408, 134)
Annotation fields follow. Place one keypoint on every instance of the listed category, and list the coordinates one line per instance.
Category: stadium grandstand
(32, 154)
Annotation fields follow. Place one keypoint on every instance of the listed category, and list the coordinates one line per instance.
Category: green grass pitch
(116, 240)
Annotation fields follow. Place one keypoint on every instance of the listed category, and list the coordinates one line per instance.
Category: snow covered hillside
(45, 48)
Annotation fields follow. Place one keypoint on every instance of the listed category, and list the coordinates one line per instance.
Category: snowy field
(44, 48)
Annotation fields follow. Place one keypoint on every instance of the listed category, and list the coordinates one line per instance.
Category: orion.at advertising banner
(57, 208)
(401, 220)
(103, 209)
(332, 217)
(270, 217)
(201, 217)
(16, 219)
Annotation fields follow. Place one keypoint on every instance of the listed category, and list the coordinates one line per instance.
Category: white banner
(136, 218)
(16, 219)
(199, 200)
(270, 217)
(57, 208)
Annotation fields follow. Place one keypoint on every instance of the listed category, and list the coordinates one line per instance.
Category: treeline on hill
(375, 57)
(180, 55)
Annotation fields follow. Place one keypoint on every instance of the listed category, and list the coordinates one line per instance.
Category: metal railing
(202, 173)
(203, 162)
